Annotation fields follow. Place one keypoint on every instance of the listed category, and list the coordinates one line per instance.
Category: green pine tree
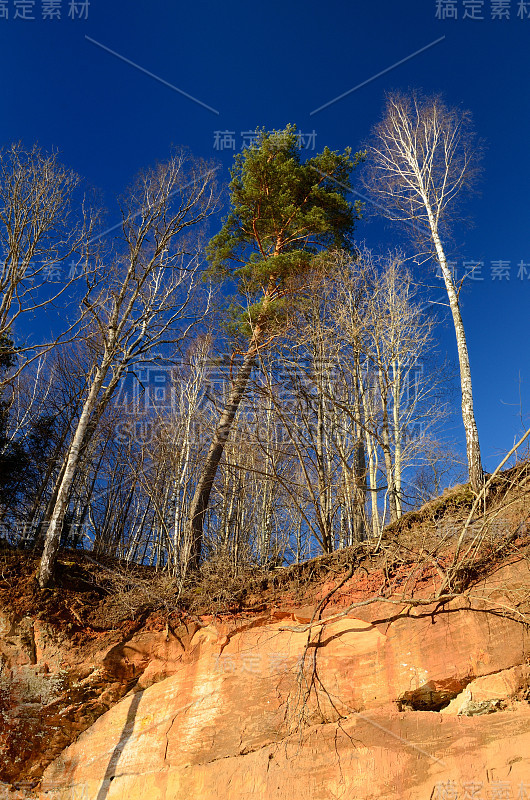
(284, 215)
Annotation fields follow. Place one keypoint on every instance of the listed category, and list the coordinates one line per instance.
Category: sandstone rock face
(265, 708)
(52, 690)
(489, 692)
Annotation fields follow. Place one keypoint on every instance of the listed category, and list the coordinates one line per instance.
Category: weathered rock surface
(51, 690)
(234, 715)
(488, 693)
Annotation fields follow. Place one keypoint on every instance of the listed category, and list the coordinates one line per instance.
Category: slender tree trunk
(201, 497)
(359, 462)
(398, 445)
(324, 503)
(52, 464)
(54, 528)
(372, 455)
(359, 472)
(385, 446)
(42, 527)
(373, 464)
(135, 539)
(476, 474)
(298, 555)
(267, 509)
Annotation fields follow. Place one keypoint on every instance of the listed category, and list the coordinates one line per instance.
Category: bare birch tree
(421, 157)
(142, 301)
(398, 341)
(44, 230)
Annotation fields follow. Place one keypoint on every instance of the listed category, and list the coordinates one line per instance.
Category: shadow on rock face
(126, 734)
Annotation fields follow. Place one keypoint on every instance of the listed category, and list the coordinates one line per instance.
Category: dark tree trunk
(201, 497)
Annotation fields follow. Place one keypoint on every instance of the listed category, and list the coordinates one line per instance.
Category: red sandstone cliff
(380, 700)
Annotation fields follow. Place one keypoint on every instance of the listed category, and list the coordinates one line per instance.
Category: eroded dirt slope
(385, 670)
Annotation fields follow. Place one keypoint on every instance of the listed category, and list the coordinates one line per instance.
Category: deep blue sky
(270, 63)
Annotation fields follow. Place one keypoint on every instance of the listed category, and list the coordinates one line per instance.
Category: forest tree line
(258, 396)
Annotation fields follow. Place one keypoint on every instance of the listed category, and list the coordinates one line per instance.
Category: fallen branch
(409, 602)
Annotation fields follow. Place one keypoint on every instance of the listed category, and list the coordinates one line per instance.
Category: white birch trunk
(396, 375)
(55, 525)
(476, 475)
